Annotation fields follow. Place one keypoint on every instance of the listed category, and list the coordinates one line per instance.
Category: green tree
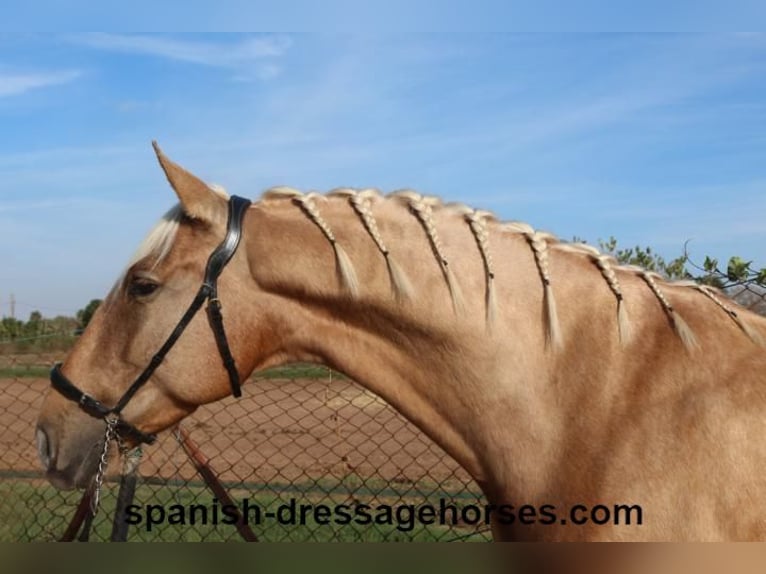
(740, 280)
(646, 258)
(85, 314)
(10, 328)
(34, 325)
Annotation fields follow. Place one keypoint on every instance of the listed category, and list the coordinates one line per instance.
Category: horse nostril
(43, 448)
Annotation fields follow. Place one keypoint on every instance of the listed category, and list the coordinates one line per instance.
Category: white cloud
(13, 84)
(221, 55)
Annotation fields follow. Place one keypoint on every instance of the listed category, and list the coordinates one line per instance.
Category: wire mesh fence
(751, 296)
(301, 436)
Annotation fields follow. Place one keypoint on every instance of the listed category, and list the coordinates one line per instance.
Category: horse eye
(142, 287)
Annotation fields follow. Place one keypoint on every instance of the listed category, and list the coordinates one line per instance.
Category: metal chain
(103, 462)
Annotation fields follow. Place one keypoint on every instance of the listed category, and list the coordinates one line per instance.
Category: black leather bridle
(208, 291)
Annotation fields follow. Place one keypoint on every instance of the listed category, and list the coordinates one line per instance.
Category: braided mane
(482, 225)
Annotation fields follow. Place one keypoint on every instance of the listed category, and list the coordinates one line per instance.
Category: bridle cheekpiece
(208, 291)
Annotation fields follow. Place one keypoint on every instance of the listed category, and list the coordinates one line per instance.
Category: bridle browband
(208, 291)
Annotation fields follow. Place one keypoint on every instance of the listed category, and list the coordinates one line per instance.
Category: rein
(117, 427)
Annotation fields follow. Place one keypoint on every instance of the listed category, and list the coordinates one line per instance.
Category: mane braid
(478, 225)
(710, 294)
(680, 326)
(421, 207)
(604, 263)
(538, 242)
(361, 202)
(344, 266)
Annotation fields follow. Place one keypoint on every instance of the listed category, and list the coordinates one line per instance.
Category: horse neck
(445, 369)
(440, 359)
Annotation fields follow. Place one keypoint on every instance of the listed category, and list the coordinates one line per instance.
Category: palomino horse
(559, 379)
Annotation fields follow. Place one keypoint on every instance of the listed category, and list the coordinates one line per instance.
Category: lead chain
(103, 462)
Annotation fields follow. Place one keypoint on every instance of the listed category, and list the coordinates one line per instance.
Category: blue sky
(652, 138)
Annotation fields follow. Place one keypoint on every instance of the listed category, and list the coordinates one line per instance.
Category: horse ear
(197, 199)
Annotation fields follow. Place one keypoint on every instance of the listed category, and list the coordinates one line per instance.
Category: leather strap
(94, 407)
(225, 251)
(207, 291)
(216, 324)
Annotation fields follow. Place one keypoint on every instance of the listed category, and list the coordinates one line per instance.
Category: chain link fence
(752, 296)
(300, 435)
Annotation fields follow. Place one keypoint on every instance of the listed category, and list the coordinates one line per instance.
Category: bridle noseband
(208, 291)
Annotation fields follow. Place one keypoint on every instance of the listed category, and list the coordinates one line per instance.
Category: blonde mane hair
(158, 241)
(482, 225)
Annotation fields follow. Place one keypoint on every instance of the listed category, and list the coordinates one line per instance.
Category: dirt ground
(281, 431)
